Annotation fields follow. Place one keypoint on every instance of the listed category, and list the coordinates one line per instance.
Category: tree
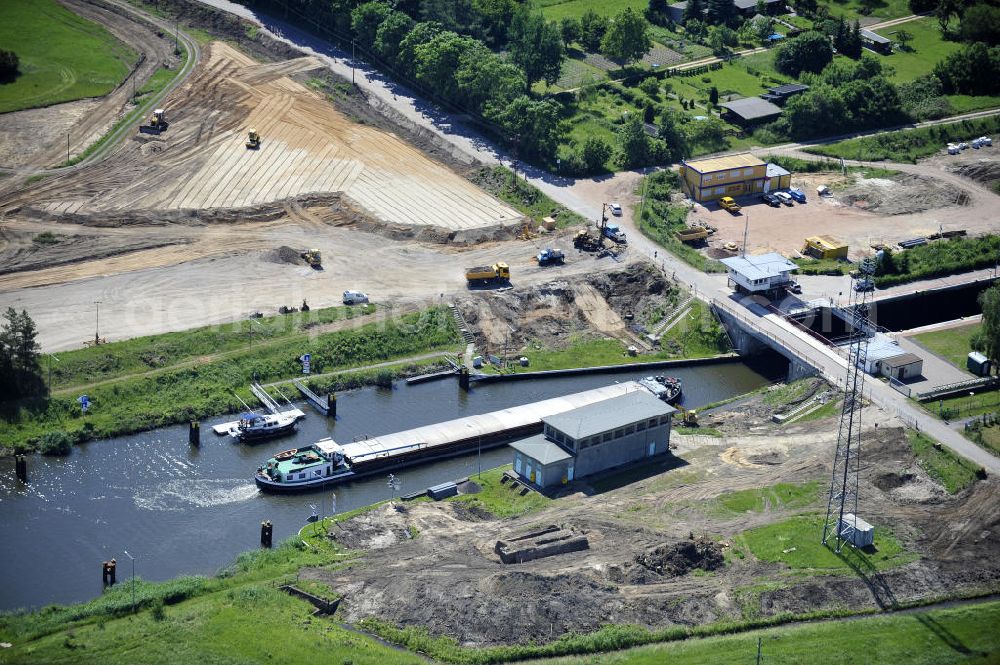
(366, 19)
(761, 26)
(989, 339)
(390, 35)
(695, 29)
(972, 70)
(980, 23)
(571, 30)
(693, 11)
(484, 78)
(633, 144)
(9, 64)
(947, 10)
(650, 86)
(809, 52)
(674, 139)
(904, 38)
(495, 17)
(922, 6)
(20, 373)
(709, 133)
(627, 38)
(713, 96)
(592, 29)
(596, 153)
(421, 33)
(536, 46)
(533, 126)
(720, 12)
(720, 38)
(438, 61)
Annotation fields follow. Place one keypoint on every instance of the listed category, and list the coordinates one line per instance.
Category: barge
(328, 463)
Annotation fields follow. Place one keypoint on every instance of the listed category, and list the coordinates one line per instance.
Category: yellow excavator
(253, 139)
(313, 258)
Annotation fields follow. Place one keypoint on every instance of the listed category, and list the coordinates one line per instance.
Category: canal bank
(186, 510)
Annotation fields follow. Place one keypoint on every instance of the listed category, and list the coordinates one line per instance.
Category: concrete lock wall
(619, 451)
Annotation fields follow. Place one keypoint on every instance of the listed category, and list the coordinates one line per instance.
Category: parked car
(976, 144)
(864, 285)
(355, 298)
(784, 197)
(728, 203)
(963, 145)
(770, 199)
(985, 140)
(616, 209)
(797, 194)
(953, 149)
(795, 287)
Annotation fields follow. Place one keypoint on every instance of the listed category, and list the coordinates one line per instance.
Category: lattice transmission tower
(847, 459)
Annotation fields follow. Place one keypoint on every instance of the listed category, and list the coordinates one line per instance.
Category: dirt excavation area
(200, 163)
(864, 208)
(671, 544)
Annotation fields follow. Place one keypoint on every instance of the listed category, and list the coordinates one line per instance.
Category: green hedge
(940, 258)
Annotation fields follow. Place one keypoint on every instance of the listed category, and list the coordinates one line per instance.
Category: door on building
(902, 371)
(652, 448)
(767, 186)
(517, 463)
(527, 469)
(569, 473)
(538, 477)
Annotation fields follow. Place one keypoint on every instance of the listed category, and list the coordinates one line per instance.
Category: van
(355, 298)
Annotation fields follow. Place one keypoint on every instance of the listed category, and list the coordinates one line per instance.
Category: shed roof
(739, 161)
(902, 360)
(752, 108)
(611, 413)
(775, 171)
(788, 89)
(541, 450)
(761, 266)
(857, 522)
(881, 347)
(874, 37)
(826, 242)
(743, 5)
(679, 5)
(977, 357)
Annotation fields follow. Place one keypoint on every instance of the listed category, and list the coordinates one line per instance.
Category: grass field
(63, 57)
(926, 49)
(953, 344)
(909, 145)
(882, 9)
(955, 473)
(966, 406)
(499, 499)
(782, 495)
(795, 542)
(206, 386)
(555, 10)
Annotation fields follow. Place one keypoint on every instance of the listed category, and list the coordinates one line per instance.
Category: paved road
(586, 198)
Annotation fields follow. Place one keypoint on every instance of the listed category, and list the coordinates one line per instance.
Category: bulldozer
(313, 258)
(253, 139)
(156, 124)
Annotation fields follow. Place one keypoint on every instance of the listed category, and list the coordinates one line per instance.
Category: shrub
(9, 64)
(56, 443)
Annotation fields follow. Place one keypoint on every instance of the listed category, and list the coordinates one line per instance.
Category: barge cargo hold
(382, 454)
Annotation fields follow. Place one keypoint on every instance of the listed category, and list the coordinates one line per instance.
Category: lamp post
(51, 358)
(97, 323)
(133, 579)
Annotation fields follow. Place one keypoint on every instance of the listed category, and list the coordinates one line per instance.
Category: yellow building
(825, 247)
(735, 175)
(777, 178)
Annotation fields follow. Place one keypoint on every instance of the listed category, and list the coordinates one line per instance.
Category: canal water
(184, 510)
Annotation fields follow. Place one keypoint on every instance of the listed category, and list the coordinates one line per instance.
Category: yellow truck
(727, 203)
(498, 273)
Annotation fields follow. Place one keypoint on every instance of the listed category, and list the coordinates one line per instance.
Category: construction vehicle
(688, 416)
(253, 139)
(586, 242)
(498, 273)
(549, 257)
(728, 203)
(313, 257)
(156, 124)
(692, 234)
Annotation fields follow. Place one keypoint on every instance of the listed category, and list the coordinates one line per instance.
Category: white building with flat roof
(759, 274)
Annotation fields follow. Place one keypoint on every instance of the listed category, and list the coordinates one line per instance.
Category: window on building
(707, 177)
(619, 433)
(630, 430)
(720, 190)
(640, 426)
(664, 420)
(748, 171)
(652, 422)
(734, 173)
(607, 437)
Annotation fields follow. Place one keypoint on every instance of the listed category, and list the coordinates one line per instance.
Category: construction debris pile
(682, 557)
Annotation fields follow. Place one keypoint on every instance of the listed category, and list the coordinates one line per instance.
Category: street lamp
(51, 358)
(133, 579)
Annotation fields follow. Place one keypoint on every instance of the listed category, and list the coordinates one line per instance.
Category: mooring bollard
(463, 378)
(266, 531)
(331, 405)
(194, 433)
(21, 468)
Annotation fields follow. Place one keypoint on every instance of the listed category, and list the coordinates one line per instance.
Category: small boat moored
(306, 468)
(256, 427)
(667, 388)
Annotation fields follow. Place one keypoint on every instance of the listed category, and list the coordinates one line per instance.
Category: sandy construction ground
(200, 162)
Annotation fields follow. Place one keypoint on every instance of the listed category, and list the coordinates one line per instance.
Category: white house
(762, 274)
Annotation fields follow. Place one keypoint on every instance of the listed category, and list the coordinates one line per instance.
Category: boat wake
(203, 493)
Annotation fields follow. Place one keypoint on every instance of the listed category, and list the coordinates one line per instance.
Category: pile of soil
(284, 254)
(682, 557)
(985, 171)
(469, 487)
(902, 194)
